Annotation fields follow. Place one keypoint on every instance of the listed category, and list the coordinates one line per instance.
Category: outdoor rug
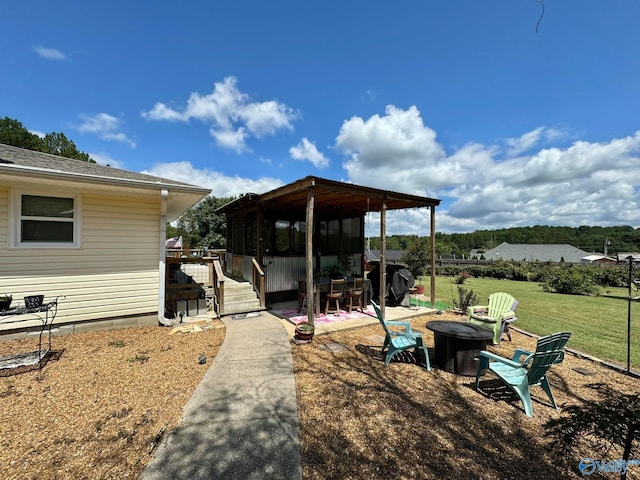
(292, 315)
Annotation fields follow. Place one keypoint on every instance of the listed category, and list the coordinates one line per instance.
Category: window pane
(237, 236)
(35, 206)
(299, 237)
(36, 231)
(250, 237)
(282, 236)
(329, 236)
(268, 236)
(351, 235)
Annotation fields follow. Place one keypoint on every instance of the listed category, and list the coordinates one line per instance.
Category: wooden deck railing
(218, 285)
(257, 281)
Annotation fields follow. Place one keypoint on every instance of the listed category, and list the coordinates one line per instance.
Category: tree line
(14, 133)
(591, 239)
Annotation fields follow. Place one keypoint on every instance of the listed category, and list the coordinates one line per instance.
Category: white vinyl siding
(115, 272)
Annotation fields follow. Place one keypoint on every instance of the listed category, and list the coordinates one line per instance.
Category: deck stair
(239, 297)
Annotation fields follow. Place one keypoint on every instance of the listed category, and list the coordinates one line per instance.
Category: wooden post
(383, 255)
(260, 235)
(433, 256)
(309, 254)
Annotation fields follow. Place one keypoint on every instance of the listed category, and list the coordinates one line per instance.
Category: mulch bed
(360, 419)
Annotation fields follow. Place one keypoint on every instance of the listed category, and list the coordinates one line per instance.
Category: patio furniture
(336, 291)
(496, 316)
(302, 295)
(354, 293)
(399, 341)
(520, 375)
(34, 309)
(457, 345)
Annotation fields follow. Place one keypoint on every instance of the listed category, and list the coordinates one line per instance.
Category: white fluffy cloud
(307, 151)
(105, 126)
(494, 186)
(231, 115)
(220, 184)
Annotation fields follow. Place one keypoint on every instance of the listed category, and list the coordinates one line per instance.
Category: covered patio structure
(306, 227)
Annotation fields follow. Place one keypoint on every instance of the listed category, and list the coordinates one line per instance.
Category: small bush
(461, 277)
(466, 299)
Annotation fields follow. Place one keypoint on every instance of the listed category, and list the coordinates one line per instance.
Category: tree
(212, 227)
(58, 144)
(417, 256)
(200, 227)
(12, 132)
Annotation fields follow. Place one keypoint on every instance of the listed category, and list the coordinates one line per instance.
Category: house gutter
(162, 262)
(99, 179)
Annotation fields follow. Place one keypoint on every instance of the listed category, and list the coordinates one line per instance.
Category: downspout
(162, 264)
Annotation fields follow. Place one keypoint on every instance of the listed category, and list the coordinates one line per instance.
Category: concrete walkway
(242, 421)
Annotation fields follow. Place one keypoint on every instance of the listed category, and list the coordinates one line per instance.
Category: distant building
(624, 256)
(533, 252)
(596, 258)
(393, 256)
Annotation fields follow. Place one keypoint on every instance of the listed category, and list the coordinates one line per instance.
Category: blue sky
(460, 100)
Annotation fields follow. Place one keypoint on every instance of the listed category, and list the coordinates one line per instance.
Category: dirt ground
(104, 401)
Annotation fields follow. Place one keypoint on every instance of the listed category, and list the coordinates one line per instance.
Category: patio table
(324, 285)
(458, 345)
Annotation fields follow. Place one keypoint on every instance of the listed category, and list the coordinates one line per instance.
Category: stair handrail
(258, 281)
(218, 285)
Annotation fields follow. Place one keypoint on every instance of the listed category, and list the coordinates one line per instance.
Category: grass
(598, 323)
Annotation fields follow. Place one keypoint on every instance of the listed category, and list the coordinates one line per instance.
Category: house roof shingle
(22, 163)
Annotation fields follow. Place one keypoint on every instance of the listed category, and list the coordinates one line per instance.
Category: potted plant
(5, 302)
(335, 271)
(305, 331)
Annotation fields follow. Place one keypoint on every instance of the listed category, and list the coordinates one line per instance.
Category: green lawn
(598, 323)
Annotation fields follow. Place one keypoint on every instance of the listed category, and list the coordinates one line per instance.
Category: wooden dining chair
(354, 294)
(336, 292)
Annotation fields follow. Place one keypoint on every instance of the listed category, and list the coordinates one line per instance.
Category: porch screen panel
(283, 237)
(237, 236)
(352, 239)
(250, 238)
(299, 237)
(330, 236)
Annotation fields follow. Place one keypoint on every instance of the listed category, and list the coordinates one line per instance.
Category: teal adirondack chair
(520, 374)
(398, 341)
(496, 316)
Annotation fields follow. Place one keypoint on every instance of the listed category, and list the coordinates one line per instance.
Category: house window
(45, 221)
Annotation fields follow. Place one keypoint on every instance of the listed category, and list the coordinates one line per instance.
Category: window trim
(16, 218)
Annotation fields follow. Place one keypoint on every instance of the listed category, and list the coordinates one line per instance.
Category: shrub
(571, 281)
(461, 277)
(466, 299)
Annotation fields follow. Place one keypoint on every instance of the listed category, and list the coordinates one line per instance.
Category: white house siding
(113, 274)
